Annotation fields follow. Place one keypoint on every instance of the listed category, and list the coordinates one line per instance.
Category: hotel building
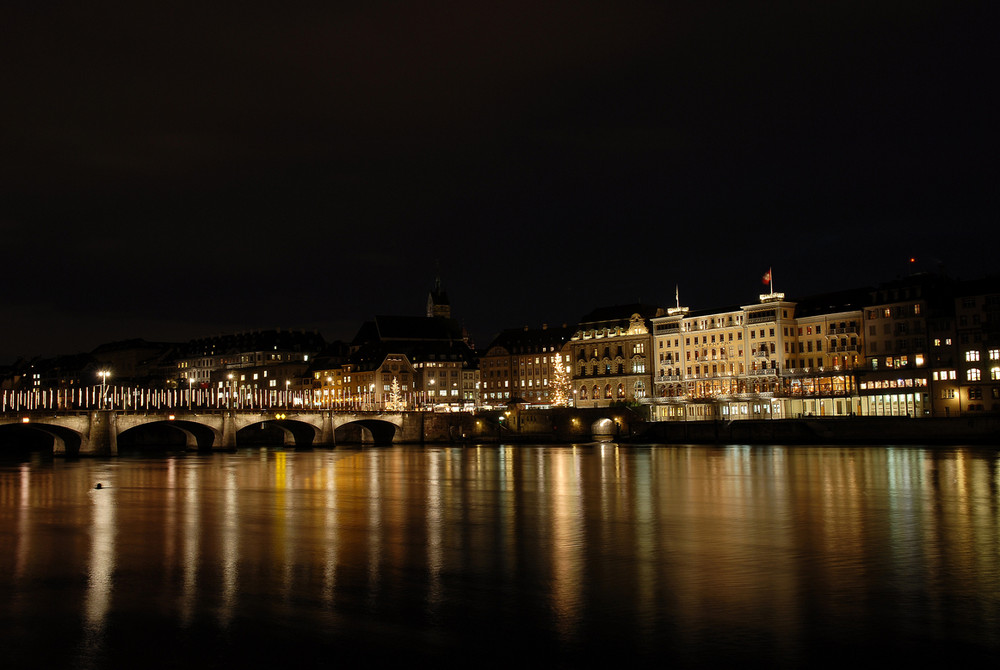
(610, 352)
(772, 359)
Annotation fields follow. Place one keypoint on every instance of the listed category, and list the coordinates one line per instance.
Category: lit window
(972, 355)
(972, 374)
(995, 354)
(994, 373)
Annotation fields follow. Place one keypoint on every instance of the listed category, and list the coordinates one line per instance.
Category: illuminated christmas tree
(560, 383)
(395, 403)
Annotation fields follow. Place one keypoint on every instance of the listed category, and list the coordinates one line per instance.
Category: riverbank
(839, 430)
(625, 426)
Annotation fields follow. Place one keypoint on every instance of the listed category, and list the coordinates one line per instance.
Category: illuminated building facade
(965, 353)
(519, 365)
(367, 380)
(772, 359)
(202, 360)
(443, 362)
(610, 356)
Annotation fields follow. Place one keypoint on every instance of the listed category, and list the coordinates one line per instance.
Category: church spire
(437, 300)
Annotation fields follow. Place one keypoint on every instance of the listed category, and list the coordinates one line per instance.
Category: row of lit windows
(900, 311)
(899, 361)
(971, 375)
(893, 383)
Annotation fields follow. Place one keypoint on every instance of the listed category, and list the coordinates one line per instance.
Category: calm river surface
(485, 556)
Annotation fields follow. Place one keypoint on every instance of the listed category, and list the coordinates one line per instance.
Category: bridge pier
(228, 431)
(326, 434)
(102, 438)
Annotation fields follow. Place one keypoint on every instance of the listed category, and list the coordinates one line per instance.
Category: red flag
(767, 277)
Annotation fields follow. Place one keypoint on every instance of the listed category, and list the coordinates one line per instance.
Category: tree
(396, 402)
(560, 383)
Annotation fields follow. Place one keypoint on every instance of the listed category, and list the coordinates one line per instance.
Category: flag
(767, 277)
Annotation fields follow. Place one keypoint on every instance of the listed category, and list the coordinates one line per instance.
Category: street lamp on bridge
(103, 374)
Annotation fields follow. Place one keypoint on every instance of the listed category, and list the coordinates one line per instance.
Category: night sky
(204, 168)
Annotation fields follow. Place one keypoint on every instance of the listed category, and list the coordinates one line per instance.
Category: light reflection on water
(784, 555)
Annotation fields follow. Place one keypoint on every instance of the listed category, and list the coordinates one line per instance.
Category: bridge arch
(39, 437)
(286, 432)
(604, 430)
(167, 434)
(365, 431)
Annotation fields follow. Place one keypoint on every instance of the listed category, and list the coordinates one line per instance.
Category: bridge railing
(143, 399)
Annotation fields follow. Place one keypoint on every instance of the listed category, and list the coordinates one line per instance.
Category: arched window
(583, 393)
(596, 395)
(607, 391)
(639, 390)
(621, 391)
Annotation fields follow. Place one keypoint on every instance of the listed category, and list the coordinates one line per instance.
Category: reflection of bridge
(102, 431)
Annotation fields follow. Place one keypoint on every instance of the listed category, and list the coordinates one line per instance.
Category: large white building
(771, 359)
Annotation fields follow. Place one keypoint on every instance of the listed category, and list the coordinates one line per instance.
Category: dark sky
(202, 168)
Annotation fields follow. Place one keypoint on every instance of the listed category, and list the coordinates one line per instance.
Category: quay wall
(833, 430)
(628, 427)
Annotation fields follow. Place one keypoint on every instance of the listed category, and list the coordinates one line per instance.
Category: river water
(486, 556)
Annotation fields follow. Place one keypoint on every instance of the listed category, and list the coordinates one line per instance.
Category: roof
(618, 313)
(408, 329)
(259, 340)
(370, 355)
(531, 339)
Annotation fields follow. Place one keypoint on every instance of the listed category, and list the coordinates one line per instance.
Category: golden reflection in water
(102, 560)
(568, 539)
(328, 485)
(191, 535)
(23, 538)
(682, 545)
(438, 468)
(230, 547)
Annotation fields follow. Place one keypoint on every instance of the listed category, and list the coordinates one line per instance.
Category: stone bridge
(102, 432)
(105, 432)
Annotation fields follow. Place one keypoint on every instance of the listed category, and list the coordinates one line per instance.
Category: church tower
(437, 302)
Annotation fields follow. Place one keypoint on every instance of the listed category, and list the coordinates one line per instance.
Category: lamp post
(229, 394)
(103, 374)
